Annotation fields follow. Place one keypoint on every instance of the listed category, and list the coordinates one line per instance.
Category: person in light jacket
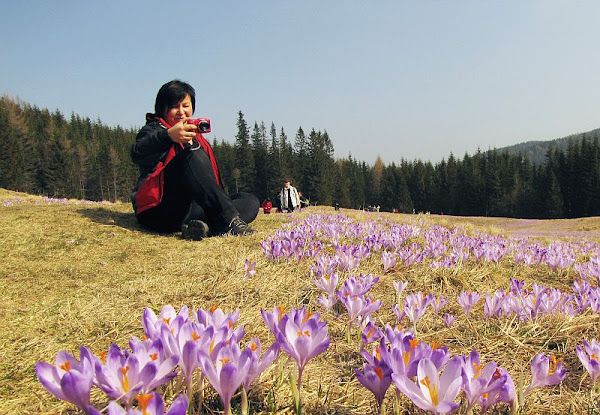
(288, 197)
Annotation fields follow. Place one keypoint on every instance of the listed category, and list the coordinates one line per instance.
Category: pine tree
(553, 199)
(342, 183)
(405, 203)
(244, 157)
(376, 179)
(286, 155)
(273, 164)
(388, 189)
(301, 163)
(259, 148)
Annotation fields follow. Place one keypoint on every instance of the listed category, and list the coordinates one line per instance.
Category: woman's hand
(182, 132)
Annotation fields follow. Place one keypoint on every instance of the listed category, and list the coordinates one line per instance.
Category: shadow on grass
(105, 216)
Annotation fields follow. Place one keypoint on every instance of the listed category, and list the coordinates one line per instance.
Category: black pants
(191, 192)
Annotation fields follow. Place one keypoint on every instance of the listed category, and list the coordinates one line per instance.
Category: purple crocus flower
(324, 265)
(122, 377)
(258, 363)
(468, 300)
(69, 379)
(271, 248)
(327, 301)
(347, 261)
(398, 312)
(415, 306)
(217, 318)
(437, 303)
(302, 337)
(249, 269)
(328, 283)
(227, 372)
(389, 260)
(492, 306)
(399, 287)
(273, 318)
(448, 319)
(546, 371)
(405, 351)
(478, 379)
(193, 337)
(359, 307)
(357, 285)
(516, 286)
(504, 393)
(431, 391)
(371, 333)
(167, 316)
(151, 404)
(589, 355)
(376, 376)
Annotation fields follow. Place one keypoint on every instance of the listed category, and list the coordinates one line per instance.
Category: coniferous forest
(47, 153)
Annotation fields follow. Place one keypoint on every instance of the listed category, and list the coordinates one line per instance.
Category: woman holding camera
(179, 188)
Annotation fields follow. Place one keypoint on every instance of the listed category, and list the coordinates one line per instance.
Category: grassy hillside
(76, 273)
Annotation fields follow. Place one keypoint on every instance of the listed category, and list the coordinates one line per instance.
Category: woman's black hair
(170, 94)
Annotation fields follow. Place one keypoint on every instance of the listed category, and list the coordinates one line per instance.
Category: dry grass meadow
(79, 273)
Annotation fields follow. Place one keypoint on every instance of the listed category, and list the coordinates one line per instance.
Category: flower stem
(244, 402)
(294, 388)
(189, 392)
(201, 393)
(348, 335)
(397, 403)
(299, 406)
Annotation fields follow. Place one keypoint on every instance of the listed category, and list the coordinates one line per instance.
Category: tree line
(43, 152)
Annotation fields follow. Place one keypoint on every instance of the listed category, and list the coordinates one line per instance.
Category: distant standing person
(288, 197)
(179, 187)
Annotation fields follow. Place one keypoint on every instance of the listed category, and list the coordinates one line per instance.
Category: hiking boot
(194, 230)
(238, 227)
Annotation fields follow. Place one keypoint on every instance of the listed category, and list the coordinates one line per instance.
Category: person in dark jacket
(179, 187)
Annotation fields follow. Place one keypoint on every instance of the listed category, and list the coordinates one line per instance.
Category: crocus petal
(115, 409)
(412, 391)
(156, 404)
(49, 379)
(229, 381)
(76, 388)
(426, 369)
(179, 406)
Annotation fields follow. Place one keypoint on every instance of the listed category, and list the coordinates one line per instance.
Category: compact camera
(203, 124)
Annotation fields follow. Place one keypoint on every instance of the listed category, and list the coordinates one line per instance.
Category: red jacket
(267, 206)
(152, 151)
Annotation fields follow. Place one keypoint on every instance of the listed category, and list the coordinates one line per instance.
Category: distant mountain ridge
(536, 150)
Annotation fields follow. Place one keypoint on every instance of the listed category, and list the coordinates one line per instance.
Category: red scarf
(207, 149)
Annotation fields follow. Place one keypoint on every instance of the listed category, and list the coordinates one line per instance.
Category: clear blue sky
(400, 79)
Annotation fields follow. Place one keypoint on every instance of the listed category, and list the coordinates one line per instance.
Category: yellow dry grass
(80, 274)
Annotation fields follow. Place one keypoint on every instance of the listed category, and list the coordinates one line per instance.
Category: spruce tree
(301, 163)
(259, 148)
(376, 178)
(286, 155)
(274, 168)
(244, 157)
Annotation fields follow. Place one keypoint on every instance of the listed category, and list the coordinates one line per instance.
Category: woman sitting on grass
(179, 188)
